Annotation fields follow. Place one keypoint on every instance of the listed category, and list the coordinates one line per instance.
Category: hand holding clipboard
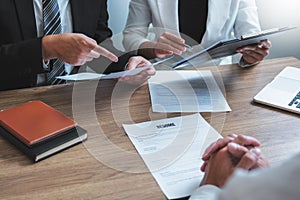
(229, 47)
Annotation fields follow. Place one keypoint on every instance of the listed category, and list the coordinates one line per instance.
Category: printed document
(91, 76)
(172, 149)
(186, 91)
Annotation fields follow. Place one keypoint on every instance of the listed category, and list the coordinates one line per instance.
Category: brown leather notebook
(34, 122)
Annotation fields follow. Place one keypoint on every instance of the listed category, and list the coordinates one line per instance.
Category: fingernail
(256, 151)
(233, 146)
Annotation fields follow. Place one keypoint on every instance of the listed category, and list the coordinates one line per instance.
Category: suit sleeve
(103, 32)
(20, 63)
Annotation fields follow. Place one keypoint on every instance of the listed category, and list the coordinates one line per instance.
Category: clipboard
(228, 47)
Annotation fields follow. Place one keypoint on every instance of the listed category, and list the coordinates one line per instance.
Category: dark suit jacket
(21, 50)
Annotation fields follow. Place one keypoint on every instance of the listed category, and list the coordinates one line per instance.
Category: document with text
(92, 76)
(186, 91)
(171, 149)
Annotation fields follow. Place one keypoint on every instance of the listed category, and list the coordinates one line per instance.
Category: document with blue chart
(186, 91)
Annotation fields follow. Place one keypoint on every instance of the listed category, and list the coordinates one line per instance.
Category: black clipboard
(228, 47)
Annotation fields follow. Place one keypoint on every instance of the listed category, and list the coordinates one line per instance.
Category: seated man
(228, 177)
(43, 39)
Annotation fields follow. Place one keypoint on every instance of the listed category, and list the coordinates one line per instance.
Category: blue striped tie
(52, 25)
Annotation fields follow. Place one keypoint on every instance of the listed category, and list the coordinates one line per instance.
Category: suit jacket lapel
(83, 15)
(26, 18)
(168, 11)
(76, 19)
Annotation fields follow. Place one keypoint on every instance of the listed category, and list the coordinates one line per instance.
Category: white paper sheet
(91, 76)
(186, 91)
(172, 149)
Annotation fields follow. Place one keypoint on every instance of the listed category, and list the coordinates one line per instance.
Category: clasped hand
(224, 156)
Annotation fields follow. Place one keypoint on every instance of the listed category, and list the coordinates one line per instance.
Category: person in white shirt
(203, 21)
(232, 173)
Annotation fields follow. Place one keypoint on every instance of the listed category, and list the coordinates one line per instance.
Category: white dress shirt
(227, 19)
(66, 24)
(276, 183)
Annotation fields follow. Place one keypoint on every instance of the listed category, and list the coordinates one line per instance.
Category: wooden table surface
(107, 166)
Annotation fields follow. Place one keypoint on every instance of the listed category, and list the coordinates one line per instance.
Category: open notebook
(283, 92)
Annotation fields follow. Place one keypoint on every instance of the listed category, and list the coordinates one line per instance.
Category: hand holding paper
(138, 70)
(92, 76)
(139, 78)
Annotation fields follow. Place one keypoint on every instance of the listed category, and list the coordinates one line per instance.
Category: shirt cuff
(245, 64)
(125, 67)
(205, 192)
(46, 66)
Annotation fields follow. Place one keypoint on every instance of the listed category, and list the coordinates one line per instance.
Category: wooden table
(107, 166)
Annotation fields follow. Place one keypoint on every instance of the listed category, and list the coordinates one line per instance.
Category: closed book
(34, 122)
(48, 147)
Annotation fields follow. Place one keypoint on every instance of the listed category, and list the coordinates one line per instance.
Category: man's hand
(167, 44)
(221, 165)
(243, 140)
(75, 49)
(253, 54)
(135, 62)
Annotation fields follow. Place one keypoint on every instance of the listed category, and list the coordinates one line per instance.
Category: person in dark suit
(24, 49)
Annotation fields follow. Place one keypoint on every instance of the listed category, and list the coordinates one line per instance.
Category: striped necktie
(52, 25)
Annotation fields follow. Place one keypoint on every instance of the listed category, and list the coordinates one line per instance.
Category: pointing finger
(94, 54)
(106, 53)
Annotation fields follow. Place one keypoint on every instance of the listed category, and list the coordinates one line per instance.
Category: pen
(159, 61)
(162, 60)
(187, 46)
